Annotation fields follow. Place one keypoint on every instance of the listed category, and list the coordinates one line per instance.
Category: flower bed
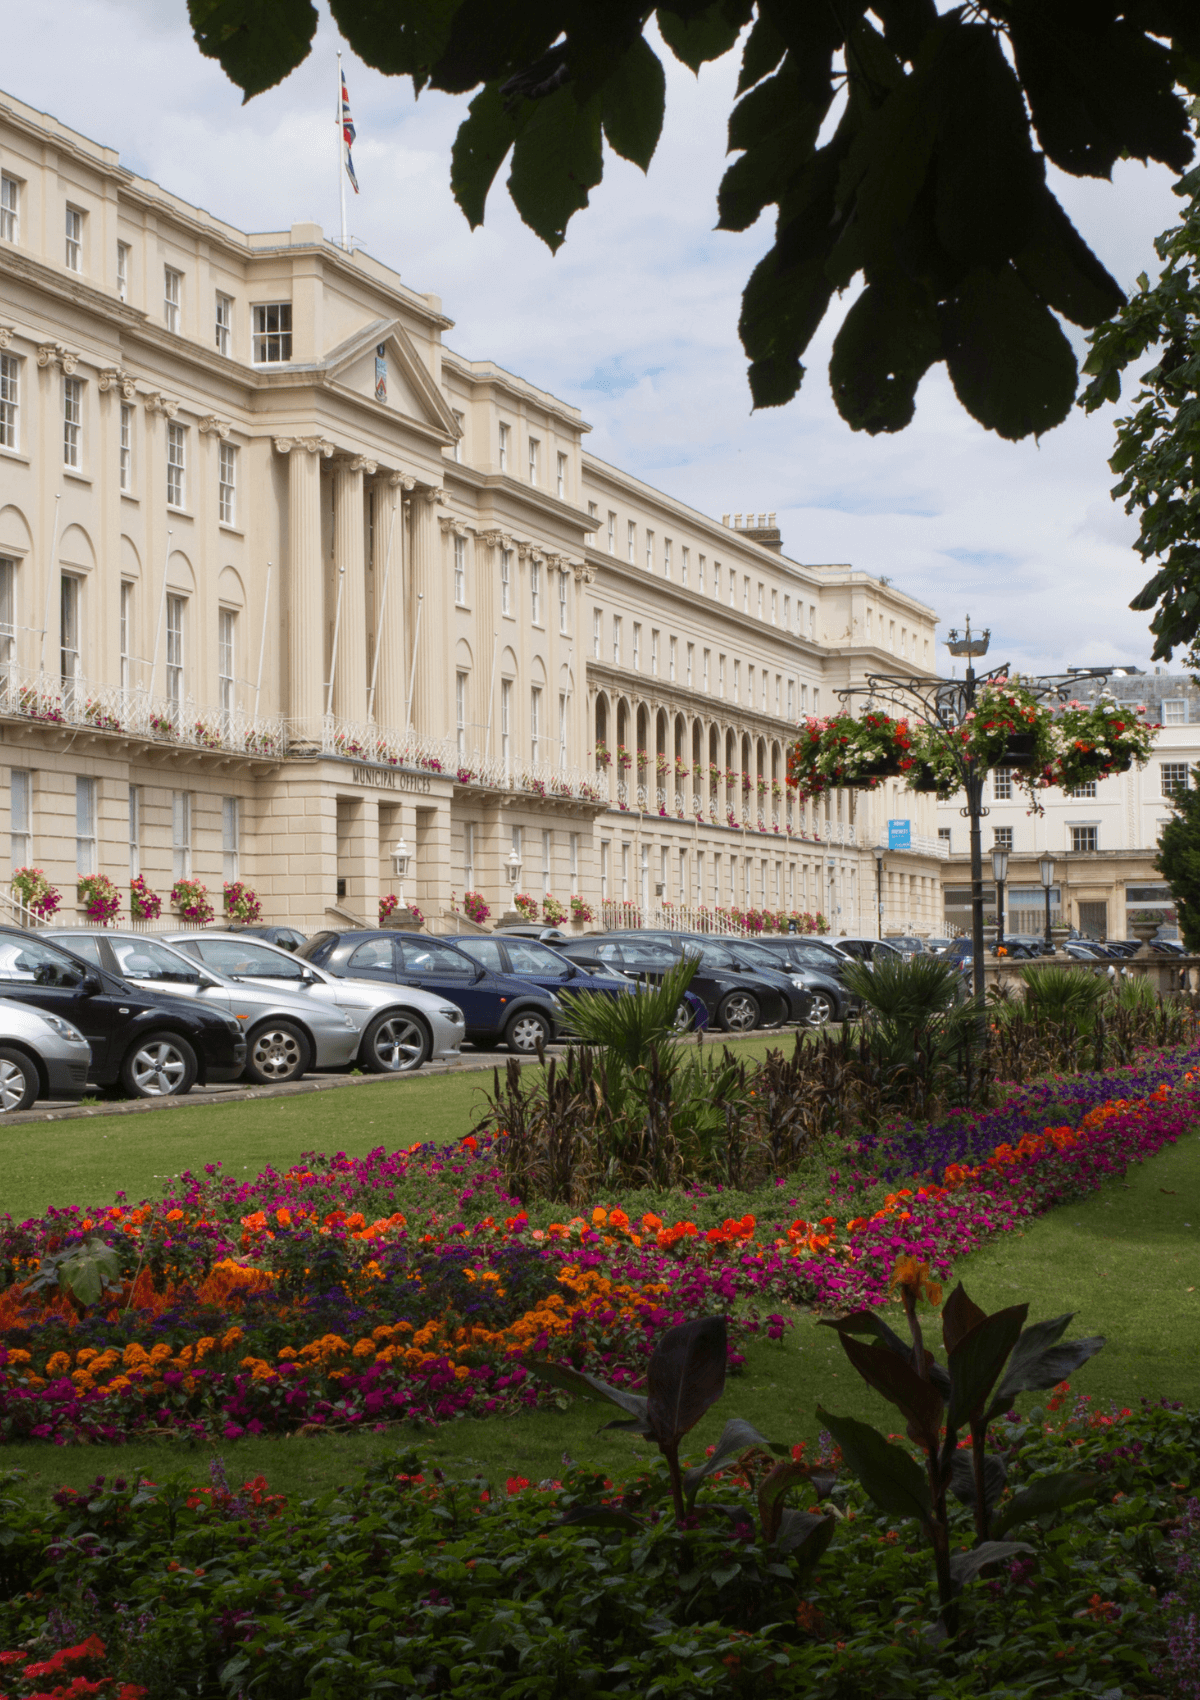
(312, 1297)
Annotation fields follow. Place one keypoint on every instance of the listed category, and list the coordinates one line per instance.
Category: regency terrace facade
(284, 580)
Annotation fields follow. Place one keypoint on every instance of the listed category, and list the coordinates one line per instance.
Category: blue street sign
(899, 835)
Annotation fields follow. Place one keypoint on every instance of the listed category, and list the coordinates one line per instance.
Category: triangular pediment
(410, 389)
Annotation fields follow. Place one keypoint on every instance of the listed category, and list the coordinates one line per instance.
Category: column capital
(156, 402)
(430, 495)
(57, 354)
(361, 463)
(117, 378)
(496, 539)
(401, 481)
(211, 426)
(6, 336)
(313, 445)
(453, 523)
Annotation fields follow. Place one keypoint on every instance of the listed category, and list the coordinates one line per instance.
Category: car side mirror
(480, 971)
(90, 985)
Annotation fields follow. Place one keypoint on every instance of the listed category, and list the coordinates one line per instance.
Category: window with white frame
(506, 581)
(172, 293)
(68, 631)
(10, 209)
(1084, 838)
(605, 867)
(1082, 791)
(593, 513)
(1174, 711)
(468, 855)
(666, 557)
(707, 661)
(227, 464)
(684, 564)
(176, 464)
(721, 676)
(1002, 784)
(506, 723)
(226, 642)
(175, 681)
(791, 699)
(85, 826)
(612, 532)
(223, 323)
(690, 663)
(804, 698)
(764, 692)
(72, 399)
(535, 723)
(535, 592)
(631, 541)
(597, 632)
(122, 271)
(616, 637)
(8, 610)
(460, 571)
(625, 849)
(10, 401)
(458, 420)
(737, 681)
(562, 728)
(547, 855)
(125, 462)
(271, 333)
(663, 882)
(560, 482)
(745, 594)
(135, 831)
(73, 256)
(505, 437)
(125, 634)
(637, 646)
(231, 837)
(181, 835)
(535, 449)
(760, 599)
(563, 604)
(654, 651)
(20, 816)
(774, 607)
(812, 622)
(649, 551)
(732, 588)
(787, 612)
(460, 713)
(1004, 838)
(778, 694)
(943, 833)
(1173, 777)
(573, 857)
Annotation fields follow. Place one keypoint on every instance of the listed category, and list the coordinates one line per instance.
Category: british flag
(348, 133)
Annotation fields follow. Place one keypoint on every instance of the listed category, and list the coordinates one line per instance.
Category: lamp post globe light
(400, 864)
(1046, 869)
(1000, 875)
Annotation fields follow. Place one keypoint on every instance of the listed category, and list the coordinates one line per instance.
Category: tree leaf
(959, 1315)
(892, 1477)
(257, 42)
(962, 1477)
(977, 1360)
(399, 41)
(964, 1566)
(805, 1535)
(885, 345)
(1011, 366)
(601, 1517)
(1038, 1361)
(1051, 1493)
(918, 1401)
(1058, 264)
(763, 50)
(480, 147)
(685, 1375)
(633, 103)
(701, 35)
(736, 1436)
(556, 161)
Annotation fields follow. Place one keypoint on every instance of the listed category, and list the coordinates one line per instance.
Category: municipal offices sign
(392, 779)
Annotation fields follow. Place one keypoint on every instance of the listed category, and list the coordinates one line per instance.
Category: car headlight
(798, 982)
(64, 1029)
(451, 1012)
(234, 1025)
(555, 999)
(348, 1020)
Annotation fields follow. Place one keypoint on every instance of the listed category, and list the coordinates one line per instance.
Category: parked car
(529, 959)
(41, 1056)
(528, 930)
(495, 1007)
(735, 1002)
(153, 1045)
(398, 1030)
(937, 947)
(821, 971)
(285, 1036)
(864, 950)
(288, 938)
(908, 944)
(747, 956)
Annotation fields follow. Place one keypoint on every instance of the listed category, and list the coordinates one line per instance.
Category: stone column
(430, 687)
(349, 557)
(305, 612)
(391, 587)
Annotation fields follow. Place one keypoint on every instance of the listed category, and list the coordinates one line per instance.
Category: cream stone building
(284, 580)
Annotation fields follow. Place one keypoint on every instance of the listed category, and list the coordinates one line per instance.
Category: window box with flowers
(206, 735)
(162, 726)
(525, 906)
(242, 904)
(603, 757)
(98, 716)
(144, 904)
(191, 901)
(553, 912)
(474, 907)
(464, 776)
(624, 759)
(99, 898)
(581, 911)
(34, 892)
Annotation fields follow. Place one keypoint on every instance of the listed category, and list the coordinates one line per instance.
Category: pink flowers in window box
(144, 904)
(190, 899)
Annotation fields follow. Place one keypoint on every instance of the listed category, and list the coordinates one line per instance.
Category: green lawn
(1126, 1260)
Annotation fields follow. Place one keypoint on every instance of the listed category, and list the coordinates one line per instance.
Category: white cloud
(635, 320)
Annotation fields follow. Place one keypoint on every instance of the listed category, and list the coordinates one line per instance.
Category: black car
(821, 970)
(743, 957)
(496, 1007)
(737, 1002)
(154, 1046)
(287, 938)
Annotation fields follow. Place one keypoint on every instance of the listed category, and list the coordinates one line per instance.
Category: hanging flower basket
(34, 890)
(1098, 739)
(849, 750)
(191, 900)
(144, 904)
(100, 898)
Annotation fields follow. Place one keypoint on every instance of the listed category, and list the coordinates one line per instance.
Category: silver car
(400, 1027)
(285, 1035)
(41, 1056)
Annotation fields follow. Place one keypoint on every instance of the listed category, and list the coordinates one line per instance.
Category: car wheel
(395, 1043)
(275, 1052)
(684, 1019)
(822, 1010)
(527, 1030)
(19, 1083)
(738, 1013)
(162, 1065)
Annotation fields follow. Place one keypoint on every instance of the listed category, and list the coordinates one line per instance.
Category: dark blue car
(529, 959)
(497, 1008)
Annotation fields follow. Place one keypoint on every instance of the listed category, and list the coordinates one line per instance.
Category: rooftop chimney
(759, 528)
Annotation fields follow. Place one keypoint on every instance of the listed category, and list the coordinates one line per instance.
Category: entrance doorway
(1093, 920)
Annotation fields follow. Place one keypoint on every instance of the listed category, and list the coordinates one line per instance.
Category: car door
(32, 970)
(374, 959)
(530, 960)
(439, 968)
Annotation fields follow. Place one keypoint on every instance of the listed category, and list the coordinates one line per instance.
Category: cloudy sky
(635, 320)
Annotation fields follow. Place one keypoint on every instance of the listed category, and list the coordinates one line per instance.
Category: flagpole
(341, 153)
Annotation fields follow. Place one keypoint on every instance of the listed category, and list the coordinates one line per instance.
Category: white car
(41, 1056)
(400, 1027)
(285, 1035)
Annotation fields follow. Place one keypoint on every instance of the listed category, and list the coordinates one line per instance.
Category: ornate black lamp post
(945, 704)
(879, 890)
(1000, 875)
(1046, 869)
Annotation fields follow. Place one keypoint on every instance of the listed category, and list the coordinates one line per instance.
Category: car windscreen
(248, 957)
(488, 952)
(529, 957)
